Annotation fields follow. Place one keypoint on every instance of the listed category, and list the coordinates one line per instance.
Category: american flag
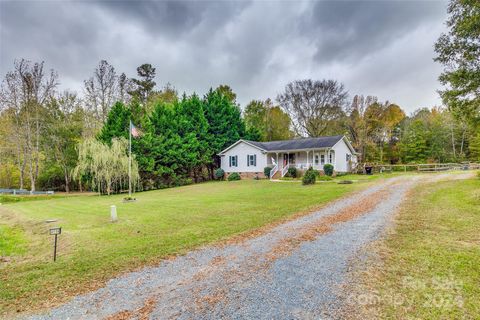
(134, 131)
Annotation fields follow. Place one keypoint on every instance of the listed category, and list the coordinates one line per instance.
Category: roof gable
(250, 143)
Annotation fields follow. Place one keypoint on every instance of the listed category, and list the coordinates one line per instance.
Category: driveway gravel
(293, 271)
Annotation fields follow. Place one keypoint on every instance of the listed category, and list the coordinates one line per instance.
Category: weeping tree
(106, 167)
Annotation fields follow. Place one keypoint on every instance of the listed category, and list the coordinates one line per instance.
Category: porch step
(277, 175)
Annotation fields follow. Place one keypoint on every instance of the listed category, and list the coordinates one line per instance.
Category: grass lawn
(431, 260)
(159, 224)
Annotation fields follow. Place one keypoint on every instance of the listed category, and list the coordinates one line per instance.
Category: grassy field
(431, 261)
(159, 224)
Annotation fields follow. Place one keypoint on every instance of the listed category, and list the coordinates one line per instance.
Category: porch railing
(273, 171)
(305, 166)
(285, 170)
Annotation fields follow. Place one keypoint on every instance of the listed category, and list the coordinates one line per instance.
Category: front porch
(280, 162)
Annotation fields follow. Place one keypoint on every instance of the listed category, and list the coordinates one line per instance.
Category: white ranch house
(249, 158)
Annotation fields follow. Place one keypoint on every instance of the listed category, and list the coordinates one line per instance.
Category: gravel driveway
(293, 271)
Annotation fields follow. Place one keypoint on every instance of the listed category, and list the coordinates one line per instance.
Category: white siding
(341, 150)
(242, 150)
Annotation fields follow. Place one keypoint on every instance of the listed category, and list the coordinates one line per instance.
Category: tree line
(63, 140)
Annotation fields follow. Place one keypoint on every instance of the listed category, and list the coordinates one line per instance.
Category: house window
(322, 159)
(348, 157)
(233, 161)
(316, 159)
(330, 158)
(251, 160)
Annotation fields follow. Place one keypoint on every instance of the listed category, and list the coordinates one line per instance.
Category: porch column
(307, 157)
(278, 164)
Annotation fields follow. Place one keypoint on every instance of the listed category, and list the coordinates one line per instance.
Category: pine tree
(117, 123)
(225, 125)
(193, 130)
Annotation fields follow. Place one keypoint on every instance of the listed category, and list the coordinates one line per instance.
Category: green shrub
(292, 172)
(51, 178)
(219, 174)
(309, 177)
(234, 176)
(324, 178)
(328, 169)
(266, 171)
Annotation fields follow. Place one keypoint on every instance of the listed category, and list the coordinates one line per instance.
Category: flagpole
(130, 160)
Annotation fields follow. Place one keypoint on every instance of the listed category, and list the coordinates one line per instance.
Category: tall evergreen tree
(225, 124)
(166, 146)
(143, 87)
(459, 51)
(117, 123)
(193, 130)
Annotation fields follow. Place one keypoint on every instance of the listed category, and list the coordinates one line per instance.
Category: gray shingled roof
(298, 144)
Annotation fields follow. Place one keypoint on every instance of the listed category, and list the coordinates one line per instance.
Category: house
(249, 158)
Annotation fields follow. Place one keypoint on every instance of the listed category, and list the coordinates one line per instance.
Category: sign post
(55, 232)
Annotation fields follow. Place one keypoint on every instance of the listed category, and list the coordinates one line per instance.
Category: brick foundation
(248, 175)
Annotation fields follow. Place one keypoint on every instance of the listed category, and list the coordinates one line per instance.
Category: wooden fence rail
(421, 167)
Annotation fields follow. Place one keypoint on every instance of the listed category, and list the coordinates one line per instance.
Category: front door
(288, 159)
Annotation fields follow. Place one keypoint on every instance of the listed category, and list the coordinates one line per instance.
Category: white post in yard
(113, 213)
(307, 157)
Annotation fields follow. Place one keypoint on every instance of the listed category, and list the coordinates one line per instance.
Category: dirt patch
(210, 268)
(122, 315)
(209, 301)
(142, 313)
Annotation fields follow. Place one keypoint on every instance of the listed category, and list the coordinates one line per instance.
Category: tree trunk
(453, 145)
(67, 187)
(32, 176)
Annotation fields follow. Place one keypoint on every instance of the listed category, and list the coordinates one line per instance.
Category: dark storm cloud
(171, 18)
(374, 47)
(349, 30)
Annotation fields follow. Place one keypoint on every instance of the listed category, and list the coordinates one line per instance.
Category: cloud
(374, 47)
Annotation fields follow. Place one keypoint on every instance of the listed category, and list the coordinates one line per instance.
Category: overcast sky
(382, 48)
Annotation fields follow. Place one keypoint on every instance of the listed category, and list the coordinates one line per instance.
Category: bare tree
(313, 105)
(23, 95)
(101, 90)
(125, 85)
